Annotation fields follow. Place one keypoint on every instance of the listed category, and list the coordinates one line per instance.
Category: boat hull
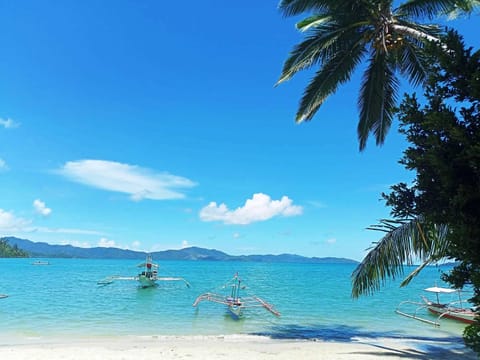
(462, 315)
(235, 311)
(145, 281)
(40, 263)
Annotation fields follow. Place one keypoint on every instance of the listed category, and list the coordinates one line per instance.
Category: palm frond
(465, 8)
(413, 62)
(337, 70)
(313, 21)
(433, 8)
(415, 272)
(413, 39)
(438, 249)
(322, 43)
(377, 99)
(405, 242)
(297, 7)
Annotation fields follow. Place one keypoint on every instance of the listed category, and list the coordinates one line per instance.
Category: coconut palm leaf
(320, 46)
(333, 28)
(433, 8)
(377, 99)
(314, 22)
(464, 9)
(297, 7)
(415, 272)
(337, 70)
(413, 64)
(404, 242)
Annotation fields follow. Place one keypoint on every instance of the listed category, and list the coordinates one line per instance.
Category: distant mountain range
(40, 249)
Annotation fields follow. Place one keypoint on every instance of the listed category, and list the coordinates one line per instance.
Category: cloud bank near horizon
(260, 207)
(9, 222)
(140, 183)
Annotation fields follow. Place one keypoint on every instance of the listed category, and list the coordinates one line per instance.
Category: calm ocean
(63, 299)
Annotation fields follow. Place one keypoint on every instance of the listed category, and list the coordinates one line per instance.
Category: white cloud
(67, 231)
(81, 244)
(8, 123)
(41, 208)
(331, 241)
(317, 204)
(104, 242)
(136, 244)
(259, 208)
(9, 222)
(139, 183)
(3, 165)
(236, 235)
(185, 244)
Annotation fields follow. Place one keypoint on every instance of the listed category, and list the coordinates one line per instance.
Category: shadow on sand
(383, 344)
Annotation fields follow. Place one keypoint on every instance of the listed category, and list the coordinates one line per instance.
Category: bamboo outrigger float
(455, 310)
(234, 302)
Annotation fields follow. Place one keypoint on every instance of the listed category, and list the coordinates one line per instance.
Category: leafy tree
(445, 153)
(8, 251)
(341, 34)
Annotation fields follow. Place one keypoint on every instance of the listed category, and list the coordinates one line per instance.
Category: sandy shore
(232, 347)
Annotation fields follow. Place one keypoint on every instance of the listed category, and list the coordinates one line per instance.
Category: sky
(152, 125)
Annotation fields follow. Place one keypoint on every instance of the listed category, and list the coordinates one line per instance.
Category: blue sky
(154, 125)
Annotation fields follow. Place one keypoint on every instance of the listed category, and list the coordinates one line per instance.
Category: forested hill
(40, 249)
(9, 251)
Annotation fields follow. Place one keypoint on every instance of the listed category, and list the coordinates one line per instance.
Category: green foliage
(445, 153)
(445, 150)
(404, 242)
(340, 35)
(438, 215)
(471, 336)
(7, 251)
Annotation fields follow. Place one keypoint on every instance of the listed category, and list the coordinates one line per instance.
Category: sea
(63, 299)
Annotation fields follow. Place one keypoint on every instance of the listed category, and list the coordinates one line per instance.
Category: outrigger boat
(40, 262)
(234, 302)
(148, 277)
(3, 296)
(456, 310)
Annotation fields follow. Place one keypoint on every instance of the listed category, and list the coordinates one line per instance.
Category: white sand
(238, 347)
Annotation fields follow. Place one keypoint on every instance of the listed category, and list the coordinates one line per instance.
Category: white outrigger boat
(456, 310)
(40, 262)
(148, 277)
(3, 296)
(234, 302)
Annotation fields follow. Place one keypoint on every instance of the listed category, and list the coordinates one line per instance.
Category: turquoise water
(63, 299)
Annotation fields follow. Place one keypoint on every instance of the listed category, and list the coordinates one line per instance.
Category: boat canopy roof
(439, 290)
(153, 265)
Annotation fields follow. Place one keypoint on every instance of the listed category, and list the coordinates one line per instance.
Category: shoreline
(232, 346)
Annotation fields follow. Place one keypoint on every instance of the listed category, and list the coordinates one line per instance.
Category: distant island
(41, 249)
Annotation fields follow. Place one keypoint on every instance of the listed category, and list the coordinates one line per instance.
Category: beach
(239, 347)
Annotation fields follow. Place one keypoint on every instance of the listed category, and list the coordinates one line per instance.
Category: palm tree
(341, 34)
(405, 241)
